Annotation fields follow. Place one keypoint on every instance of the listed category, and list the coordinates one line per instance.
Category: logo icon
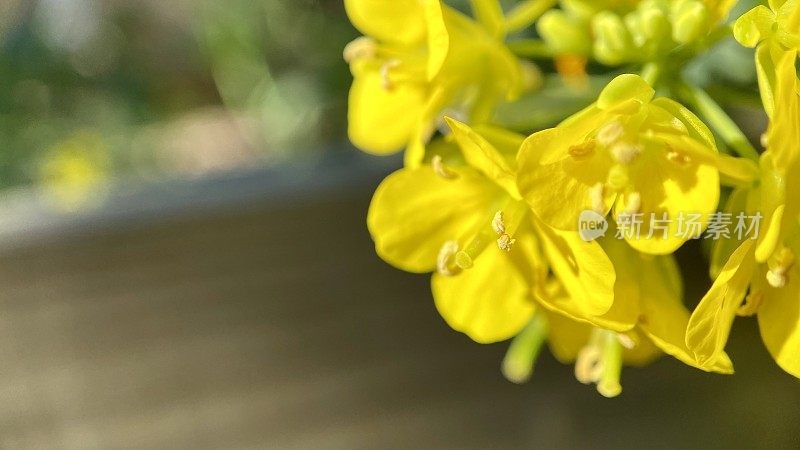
(591, 225)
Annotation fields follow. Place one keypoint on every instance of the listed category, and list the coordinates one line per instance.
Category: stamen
(677, 124)
(498, 225)
(625, 153)
(521, 356)
(765, 140)
(626, 341)
(751, 304)
(610, 133)
(779, 266)
(360, 48)
(444, 261)
(596, 198)
(633, 203)
(464, 261)
(583, 149)
(609, 386)
(505, 242)
(441, 169)
(386, 68)
(678, 158)
(589, 364)
(600, 361)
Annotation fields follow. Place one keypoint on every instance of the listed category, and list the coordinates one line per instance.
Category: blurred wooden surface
(272, 324)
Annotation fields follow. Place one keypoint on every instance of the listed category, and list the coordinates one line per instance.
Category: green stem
(530, 48)
(719, 120)
(651, 72)
(608, 385)
(526, 13)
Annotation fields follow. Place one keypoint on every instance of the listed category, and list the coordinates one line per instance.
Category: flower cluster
(526, 229)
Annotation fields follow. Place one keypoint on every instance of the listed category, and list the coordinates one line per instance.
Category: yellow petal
(664, 318)
(697, 129)
(672, 188)
(556, 184)
(710, 324)
(625, 93)
(722, 249)
(754, 26)
(624, 312)
(382, 120)
(784, 131)
(437, 18)
(582, 267)
(483, 156)
(772, 192)
(765, 68)
(415, 211)
(566, 337)
(492, 301)
(779, 321)
(391, 21)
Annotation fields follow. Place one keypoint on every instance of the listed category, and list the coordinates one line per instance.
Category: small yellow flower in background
(419, 59)
(627, 152)
(74, 171)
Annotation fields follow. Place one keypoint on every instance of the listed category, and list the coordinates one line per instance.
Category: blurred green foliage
(167, 88)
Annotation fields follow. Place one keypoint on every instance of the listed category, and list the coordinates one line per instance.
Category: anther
(779, 266)
(751, 304)
(626, 341)
(444, 261)
(610, 133)
(386, 69)
(440, 169)
(678, 158)
(765, 140)
(505, 242)
(677, 124)
(360, 48)
(625, 153)
(589, 365)
(498, 225)
(583, 149)
(463, 260)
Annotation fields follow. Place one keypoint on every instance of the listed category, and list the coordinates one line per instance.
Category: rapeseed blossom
(419, 58)
(564, 236)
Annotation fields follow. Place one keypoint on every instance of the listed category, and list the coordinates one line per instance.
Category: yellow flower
(74, 171)
(774, 289)
(773, 31)
(648, 304)
(466, 222)
(766, 267)
(419, 59)
(644, 158)
(779, 199)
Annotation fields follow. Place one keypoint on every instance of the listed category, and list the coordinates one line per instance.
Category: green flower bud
(564, 34)
(613, 42)
(690, 21)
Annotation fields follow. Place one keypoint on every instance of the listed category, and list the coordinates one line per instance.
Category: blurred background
(184, 261)
(93, 91)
